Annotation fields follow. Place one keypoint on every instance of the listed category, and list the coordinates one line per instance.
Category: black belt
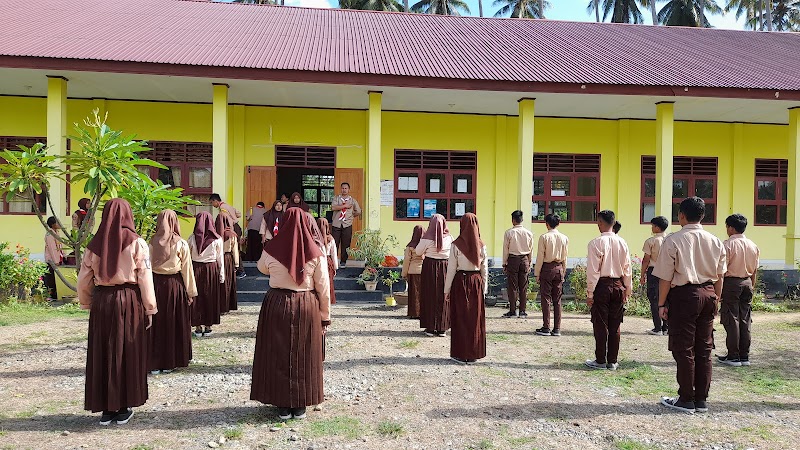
(737, 278)
(469, 271)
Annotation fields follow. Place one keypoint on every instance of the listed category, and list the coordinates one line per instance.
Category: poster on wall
(461, 187)
(412, 207)
(461, 209)
(435, 185)
(430, 208)
(387, 192)
(535, 209)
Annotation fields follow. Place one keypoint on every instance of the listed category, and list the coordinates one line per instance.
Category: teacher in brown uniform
(690, 267)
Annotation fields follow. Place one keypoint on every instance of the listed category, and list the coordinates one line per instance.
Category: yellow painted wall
(255, 131)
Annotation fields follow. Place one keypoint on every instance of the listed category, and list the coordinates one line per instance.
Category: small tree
(148, 198)
(106, 162)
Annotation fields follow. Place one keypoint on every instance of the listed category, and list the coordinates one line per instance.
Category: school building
(419, 113)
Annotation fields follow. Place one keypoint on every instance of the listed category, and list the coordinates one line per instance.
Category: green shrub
(638, 304)
(20, 276)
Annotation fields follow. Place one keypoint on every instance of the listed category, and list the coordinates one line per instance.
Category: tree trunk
(541, 9)
(769, 15)
(761, 15)
(597, 10)
(654, 12)
(480, 7)
(701, 13)
(405, 4)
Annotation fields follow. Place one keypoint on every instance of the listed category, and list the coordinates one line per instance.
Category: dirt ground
(390, 387)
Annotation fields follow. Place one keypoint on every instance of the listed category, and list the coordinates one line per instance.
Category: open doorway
(316, 186)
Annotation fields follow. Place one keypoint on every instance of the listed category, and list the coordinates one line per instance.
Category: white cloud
(311, 3)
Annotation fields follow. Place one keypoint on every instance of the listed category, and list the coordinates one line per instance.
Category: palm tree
(786, 15)
(651, 4)
(621, 11)
(443, 7)
(686, 13)
(372, 5)
(745, 8)
(521, 9)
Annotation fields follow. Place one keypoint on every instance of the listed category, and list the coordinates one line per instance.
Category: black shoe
(728, 361)
(701, 406)
(241, 275)
(107, 417)
(124, 416)
(555, 332)
(284, 413)
(654, 332)
(459, 360)
(676, 404)
(523, 314)
(299, 413)
(509, 315)
(543, 331)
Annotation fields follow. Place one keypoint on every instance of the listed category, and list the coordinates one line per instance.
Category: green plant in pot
(369, 278)
(392, 277)
(372, 248)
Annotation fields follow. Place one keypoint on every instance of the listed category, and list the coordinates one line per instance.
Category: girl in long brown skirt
(295, 314)
(115, 283)
(466, 285)
(208, 260)
(435, 247)
(224, 227)
(329, 250)
(412, 273)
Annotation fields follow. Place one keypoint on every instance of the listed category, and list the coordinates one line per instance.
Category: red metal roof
(351, 44)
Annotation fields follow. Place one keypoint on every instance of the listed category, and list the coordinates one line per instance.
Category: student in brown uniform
(116, 284)
(208, 262)
(254, 241)
(412, 273)
(329, 250)
(230, 245)
(465, 288)
(435, 248)
(608, 281)
(80, 214)
(53, 256)
(296, 201)
(550, 268)
(170, 339)
(651, 249)
(295, 314)
(517, 249)
(272, 222)
(690, 267)
(737, 291)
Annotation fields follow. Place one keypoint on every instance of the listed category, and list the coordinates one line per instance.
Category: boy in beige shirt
(517, 249)
(551, 265)
(651, 249)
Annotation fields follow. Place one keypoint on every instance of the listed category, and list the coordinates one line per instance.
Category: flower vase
(371, 285)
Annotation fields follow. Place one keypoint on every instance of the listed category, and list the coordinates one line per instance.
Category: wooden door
(356, 179)
(261, 186)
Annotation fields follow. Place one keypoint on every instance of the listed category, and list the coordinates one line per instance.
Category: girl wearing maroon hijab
(295, 314)
(412, 273)
(224, 227)
(271, 223)
(208, 260)
(465, 287)
(171, 337)
(116, 284)
(296, 201)
(435, 247)
(329, 250)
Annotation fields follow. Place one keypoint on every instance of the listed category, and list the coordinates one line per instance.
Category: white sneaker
(612, 366)
(155, 372)
(593, 364)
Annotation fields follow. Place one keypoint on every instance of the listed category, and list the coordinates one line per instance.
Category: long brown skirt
(170, 337)
(468, 337)
(435, 311)
(287, 366)
(205, 309)
(414, 294)
(228, 298)
(116, 360)
(332, 275)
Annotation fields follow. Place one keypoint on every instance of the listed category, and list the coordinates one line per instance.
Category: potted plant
(533, 287)
(390, 279)
(369, 278)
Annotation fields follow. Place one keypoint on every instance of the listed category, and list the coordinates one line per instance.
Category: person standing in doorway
(272, 221)
(690, 267)
(737, 291)
(608, 286)
(115, 283)
(284, 201)
(517, 249)
(651, 249)
(53, 256)
(296, 201)
(345, 208)
(550, 268)
(254, 242)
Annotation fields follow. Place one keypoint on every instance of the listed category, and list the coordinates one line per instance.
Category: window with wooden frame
(434, 182)
(691, 176)
(566, 184)
(772, 181)
(189, 166)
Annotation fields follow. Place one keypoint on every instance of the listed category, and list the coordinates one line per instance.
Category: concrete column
(372, 209)
(57, 138)
(664, 153)
(628, 207)
(793, 194)
(502, 191)
(237, 164)
(220, 140)
(525, 153)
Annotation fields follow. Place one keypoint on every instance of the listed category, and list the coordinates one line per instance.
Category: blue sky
(560, 10)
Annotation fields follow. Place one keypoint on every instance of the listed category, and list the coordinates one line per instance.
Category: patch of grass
(769, 382)
(142, 447)
(27, 414)
(491, 371)
(16, 313)
(520, 441)
(388, 428)
(635, 378)
(348, 427)
(3, 433)
(409, 344)
(630, 444)
(234, 433)
(495, 337)
(484, 444)
(762, 432)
